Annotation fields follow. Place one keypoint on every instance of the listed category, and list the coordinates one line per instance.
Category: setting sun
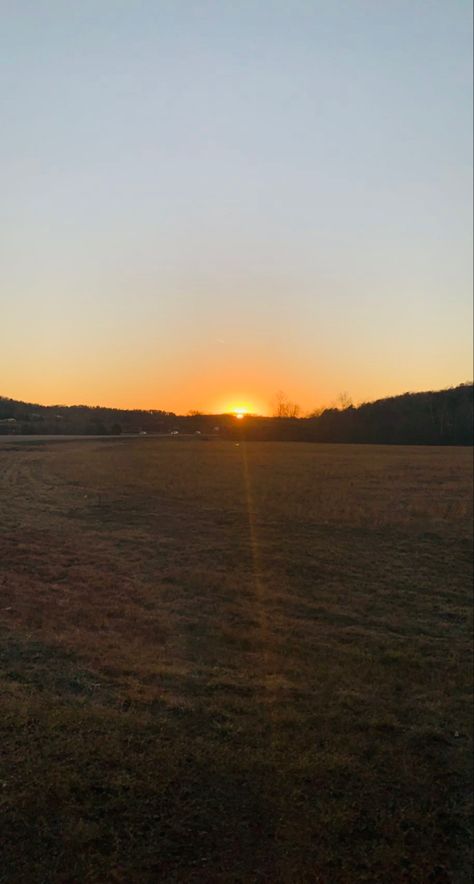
(240, 407)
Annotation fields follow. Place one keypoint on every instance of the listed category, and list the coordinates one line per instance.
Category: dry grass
(235, 663)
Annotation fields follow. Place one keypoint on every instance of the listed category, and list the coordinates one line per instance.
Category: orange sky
(216, 387)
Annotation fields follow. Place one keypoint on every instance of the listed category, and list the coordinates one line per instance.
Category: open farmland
(234, 663)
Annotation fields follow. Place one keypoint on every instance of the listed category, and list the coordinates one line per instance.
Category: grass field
(228, 663)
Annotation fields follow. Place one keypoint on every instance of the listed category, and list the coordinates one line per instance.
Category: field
(234, 663)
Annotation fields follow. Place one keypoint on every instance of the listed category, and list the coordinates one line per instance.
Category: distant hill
(433, 418)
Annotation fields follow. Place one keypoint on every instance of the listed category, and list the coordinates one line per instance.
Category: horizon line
(199, 413)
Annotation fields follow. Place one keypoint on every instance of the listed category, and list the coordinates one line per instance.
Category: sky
(206, 201)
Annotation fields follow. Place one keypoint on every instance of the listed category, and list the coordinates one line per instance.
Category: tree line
(444, 417)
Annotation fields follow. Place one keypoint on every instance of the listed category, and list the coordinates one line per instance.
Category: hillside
(444, 417)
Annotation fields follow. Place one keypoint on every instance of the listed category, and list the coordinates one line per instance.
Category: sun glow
(239, 412)
(239, 406)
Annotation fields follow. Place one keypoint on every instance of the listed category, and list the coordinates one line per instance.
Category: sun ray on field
(257, 567)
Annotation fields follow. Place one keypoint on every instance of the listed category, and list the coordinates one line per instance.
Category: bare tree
(283, 407)
(343, 401)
